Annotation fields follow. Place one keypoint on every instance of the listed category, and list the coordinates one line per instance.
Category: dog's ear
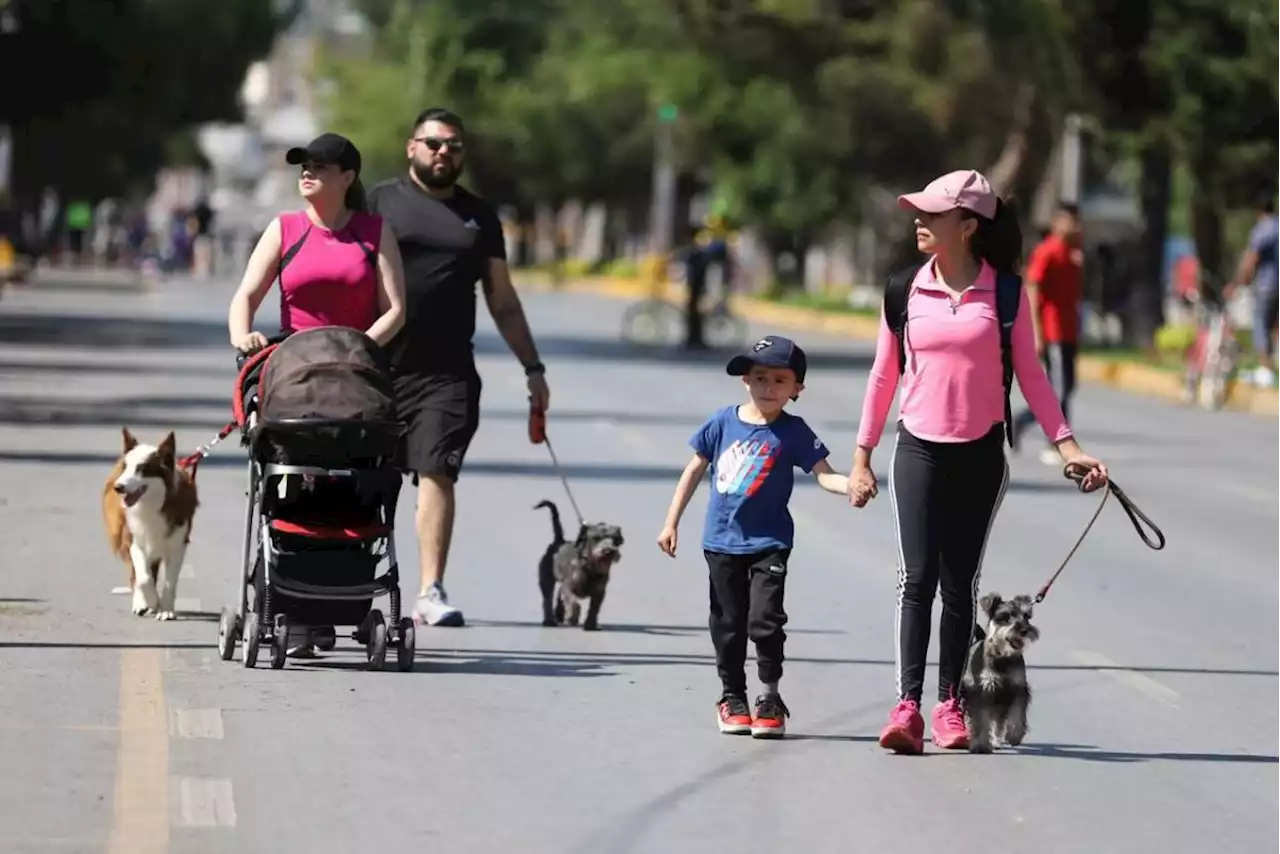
(989, 603)
(168, 449)
(582, 535)
(130, 441)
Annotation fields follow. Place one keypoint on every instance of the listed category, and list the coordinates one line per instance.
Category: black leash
(1076, 473)
(538, 436)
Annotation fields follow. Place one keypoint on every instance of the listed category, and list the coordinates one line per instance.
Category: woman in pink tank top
(948, 472)
(337, 264)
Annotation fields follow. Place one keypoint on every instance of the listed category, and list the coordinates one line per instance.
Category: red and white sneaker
(734, 715)
(770, 718)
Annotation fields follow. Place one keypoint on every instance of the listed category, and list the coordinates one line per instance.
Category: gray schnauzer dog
(573, 572)
(994, 687)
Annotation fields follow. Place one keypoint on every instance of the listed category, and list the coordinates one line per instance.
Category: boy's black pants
(747, 603)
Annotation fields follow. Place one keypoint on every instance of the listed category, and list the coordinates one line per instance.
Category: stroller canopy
(328, 374)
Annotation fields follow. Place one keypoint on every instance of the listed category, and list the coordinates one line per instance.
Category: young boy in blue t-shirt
(752, 450)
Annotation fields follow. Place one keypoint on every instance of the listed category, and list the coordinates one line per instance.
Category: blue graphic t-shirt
(752, 474)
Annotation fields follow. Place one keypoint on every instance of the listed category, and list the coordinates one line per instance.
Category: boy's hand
(862, 486)
(667, 541)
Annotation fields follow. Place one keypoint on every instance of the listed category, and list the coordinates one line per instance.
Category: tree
(145, 70)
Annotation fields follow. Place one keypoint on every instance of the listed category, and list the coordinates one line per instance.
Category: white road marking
(205, 803)
(121, 591)
(1135, 680)
(197, 723)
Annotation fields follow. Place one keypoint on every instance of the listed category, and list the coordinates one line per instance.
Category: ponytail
(998, 240)
(355, 198)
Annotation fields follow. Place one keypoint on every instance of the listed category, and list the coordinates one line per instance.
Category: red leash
(191, 462)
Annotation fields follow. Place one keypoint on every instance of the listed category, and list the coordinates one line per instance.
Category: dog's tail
(556, 528)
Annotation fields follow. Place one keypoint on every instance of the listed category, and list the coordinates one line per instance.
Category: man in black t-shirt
(449, 239)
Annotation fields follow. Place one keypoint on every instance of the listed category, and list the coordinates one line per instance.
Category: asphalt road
(1154, 725)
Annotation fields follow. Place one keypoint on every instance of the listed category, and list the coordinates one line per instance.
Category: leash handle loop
(1076, 473)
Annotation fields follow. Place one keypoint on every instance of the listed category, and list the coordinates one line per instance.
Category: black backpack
(1008, 295)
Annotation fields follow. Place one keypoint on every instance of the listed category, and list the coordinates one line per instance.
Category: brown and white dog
(148, 504)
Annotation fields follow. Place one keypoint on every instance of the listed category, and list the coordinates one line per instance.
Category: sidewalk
(1126, 376)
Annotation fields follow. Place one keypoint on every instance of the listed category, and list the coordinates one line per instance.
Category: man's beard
(425, 172)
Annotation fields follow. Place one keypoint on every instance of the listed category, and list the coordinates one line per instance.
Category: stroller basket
(331, 444)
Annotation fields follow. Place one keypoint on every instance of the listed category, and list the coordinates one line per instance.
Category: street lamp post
(663, 205)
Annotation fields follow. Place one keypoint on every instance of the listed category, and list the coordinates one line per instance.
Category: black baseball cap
(772, 351)
(327, 149)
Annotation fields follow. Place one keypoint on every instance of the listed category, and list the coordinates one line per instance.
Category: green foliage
(129, 78)
(797, 107)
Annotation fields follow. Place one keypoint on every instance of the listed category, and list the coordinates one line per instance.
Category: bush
(1175, 338)
(622, 268)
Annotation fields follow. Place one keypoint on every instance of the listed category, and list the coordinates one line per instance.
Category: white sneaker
(434, 608)
(1050, 457)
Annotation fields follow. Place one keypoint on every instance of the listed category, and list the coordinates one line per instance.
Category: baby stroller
(316, 410)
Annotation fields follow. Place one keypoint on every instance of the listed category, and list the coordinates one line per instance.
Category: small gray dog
(994, 687)
(571, 572)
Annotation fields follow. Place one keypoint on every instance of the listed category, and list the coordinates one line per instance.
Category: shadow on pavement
(655, 659)
(686, 421)
(1093, 754)
(632, 628)
(116, 412)
(78, 330)
(15, 369)
(219, 459)
(480, 663)
(554, 347)
(102, 645)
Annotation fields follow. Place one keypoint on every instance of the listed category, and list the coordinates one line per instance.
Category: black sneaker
(770, 718)
(734, 715)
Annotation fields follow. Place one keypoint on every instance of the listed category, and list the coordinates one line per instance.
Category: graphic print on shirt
(744, 466)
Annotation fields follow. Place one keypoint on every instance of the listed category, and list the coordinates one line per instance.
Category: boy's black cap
(327, 149)
(772, 351)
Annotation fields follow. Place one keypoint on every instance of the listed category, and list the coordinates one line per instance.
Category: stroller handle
(272, 341)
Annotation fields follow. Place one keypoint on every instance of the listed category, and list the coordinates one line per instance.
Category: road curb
(1123, 376)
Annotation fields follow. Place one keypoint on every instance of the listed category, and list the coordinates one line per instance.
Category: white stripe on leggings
(977, 575)
(902, 565)
(902, 561)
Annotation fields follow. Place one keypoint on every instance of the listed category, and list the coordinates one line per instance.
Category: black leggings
(945, 498)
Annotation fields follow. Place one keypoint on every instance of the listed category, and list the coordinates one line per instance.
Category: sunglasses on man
(435, 143)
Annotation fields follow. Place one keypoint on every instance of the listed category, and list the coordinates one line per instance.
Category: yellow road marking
(140, 824)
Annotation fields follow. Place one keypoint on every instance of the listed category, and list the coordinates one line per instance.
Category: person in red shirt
(1055, 287)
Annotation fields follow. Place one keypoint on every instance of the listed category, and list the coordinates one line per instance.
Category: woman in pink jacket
(948, 471)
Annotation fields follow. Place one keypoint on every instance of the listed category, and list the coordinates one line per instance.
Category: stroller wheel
(407, 646)
(280, 642)
(376, 647)
(252, 640)
(228, 628)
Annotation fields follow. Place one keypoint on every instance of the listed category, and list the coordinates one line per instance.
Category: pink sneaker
(949, 729)
(905, 730)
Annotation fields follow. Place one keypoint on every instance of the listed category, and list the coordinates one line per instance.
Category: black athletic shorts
(440, 413)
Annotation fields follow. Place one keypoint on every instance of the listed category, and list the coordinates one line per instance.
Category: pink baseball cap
(964, 188)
